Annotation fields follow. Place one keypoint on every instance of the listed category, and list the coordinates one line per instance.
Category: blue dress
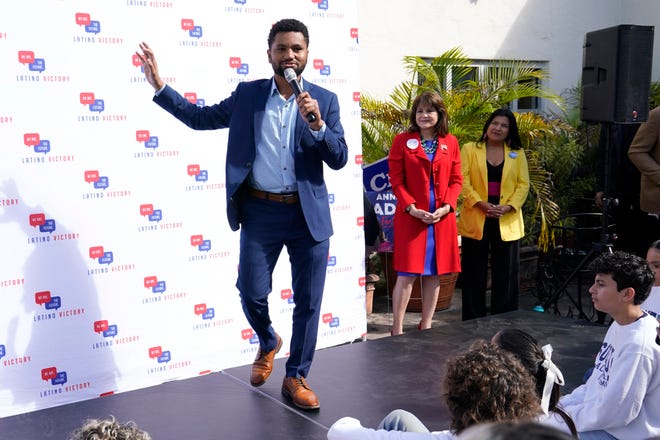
(430, 266)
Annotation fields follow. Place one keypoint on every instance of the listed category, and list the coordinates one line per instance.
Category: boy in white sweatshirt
(621, 398)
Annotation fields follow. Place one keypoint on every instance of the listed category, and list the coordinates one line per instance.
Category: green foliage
(551, 144)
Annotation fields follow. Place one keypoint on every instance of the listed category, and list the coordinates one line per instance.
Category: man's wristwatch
(408, 208)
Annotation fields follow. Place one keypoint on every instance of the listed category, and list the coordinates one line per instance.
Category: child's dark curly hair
(488, 384)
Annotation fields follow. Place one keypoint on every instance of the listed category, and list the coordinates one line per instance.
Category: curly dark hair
(488, 384)
(288, 25)
(627, 270)
(109, 429)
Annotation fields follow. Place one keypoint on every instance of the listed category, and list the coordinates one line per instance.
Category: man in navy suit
(276, 193)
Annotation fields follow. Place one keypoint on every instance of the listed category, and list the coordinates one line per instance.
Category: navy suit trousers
(267, 227)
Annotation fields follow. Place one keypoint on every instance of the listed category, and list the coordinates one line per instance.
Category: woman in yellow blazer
(495, 186)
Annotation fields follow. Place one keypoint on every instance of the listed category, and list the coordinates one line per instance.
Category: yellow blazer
(514, 189)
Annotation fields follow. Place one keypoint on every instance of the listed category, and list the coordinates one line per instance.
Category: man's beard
(280, 71)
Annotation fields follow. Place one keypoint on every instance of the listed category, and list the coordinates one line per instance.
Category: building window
(482, 68)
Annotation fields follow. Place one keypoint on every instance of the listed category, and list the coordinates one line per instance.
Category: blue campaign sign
(378, 189)
(375, 176)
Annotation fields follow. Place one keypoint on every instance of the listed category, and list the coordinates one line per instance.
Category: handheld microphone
(292, 79)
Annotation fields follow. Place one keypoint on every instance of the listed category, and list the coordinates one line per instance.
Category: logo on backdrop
(58, 381)
(194, 31)
(200, 243)
(332, 326)
(321, 4)
(337, 207)
(333, 267)
(240, 70)
(151, 4)
(195, 34)
(203, 247)
(154, 216)
(13, 361)
(356, 112)
(52, 304)
(324, 69)
(247, 334)
(238, 65)
(286, 295)
(34, 64)
(158, 288)
(95, 107)
(354, 35)
(90, 30)
(36, 67)
(109, 333)
(46, 228)
(329, 320)
(94, 178)
(12, 282)
(151, 143)
(321, 10)
(242, 9)
(206, 318)
(101, 183)
(102, 257)
(40, 148)
(163, 359)
(34, 140)
(200, 176)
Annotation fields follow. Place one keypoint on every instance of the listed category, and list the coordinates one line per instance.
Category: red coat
(410, 172)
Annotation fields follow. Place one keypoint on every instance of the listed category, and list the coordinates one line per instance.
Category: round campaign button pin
(513, 154)
(412, 144)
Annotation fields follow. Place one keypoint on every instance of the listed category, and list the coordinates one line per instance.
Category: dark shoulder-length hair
(527, 349)
(513, 140)
(434, 100)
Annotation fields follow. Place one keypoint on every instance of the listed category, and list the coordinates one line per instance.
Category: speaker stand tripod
(604, 245)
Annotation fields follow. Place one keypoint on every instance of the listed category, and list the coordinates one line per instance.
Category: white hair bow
(552, 376)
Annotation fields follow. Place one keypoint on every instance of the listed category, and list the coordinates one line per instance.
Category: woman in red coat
(425, 173)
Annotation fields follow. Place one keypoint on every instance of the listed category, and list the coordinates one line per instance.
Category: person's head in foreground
(488, 384)
(513, 431)
(109, 429)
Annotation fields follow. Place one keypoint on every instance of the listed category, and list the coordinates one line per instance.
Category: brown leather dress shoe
(302, 395)
(263, 364)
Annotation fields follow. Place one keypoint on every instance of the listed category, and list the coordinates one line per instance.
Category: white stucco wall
(540, 30)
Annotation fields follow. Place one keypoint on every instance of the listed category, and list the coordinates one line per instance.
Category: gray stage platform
(365, 380)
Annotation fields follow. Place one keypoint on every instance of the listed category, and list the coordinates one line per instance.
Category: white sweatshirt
(348, 428)
(622, 396)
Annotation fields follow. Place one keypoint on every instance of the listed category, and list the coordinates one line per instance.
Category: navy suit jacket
(242, 113)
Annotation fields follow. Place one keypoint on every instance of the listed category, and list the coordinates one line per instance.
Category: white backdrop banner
(118, 267)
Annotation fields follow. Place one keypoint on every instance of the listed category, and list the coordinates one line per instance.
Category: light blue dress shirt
(274, 166)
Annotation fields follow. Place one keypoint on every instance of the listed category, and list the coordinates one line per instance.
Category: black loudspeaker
(616, 74)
